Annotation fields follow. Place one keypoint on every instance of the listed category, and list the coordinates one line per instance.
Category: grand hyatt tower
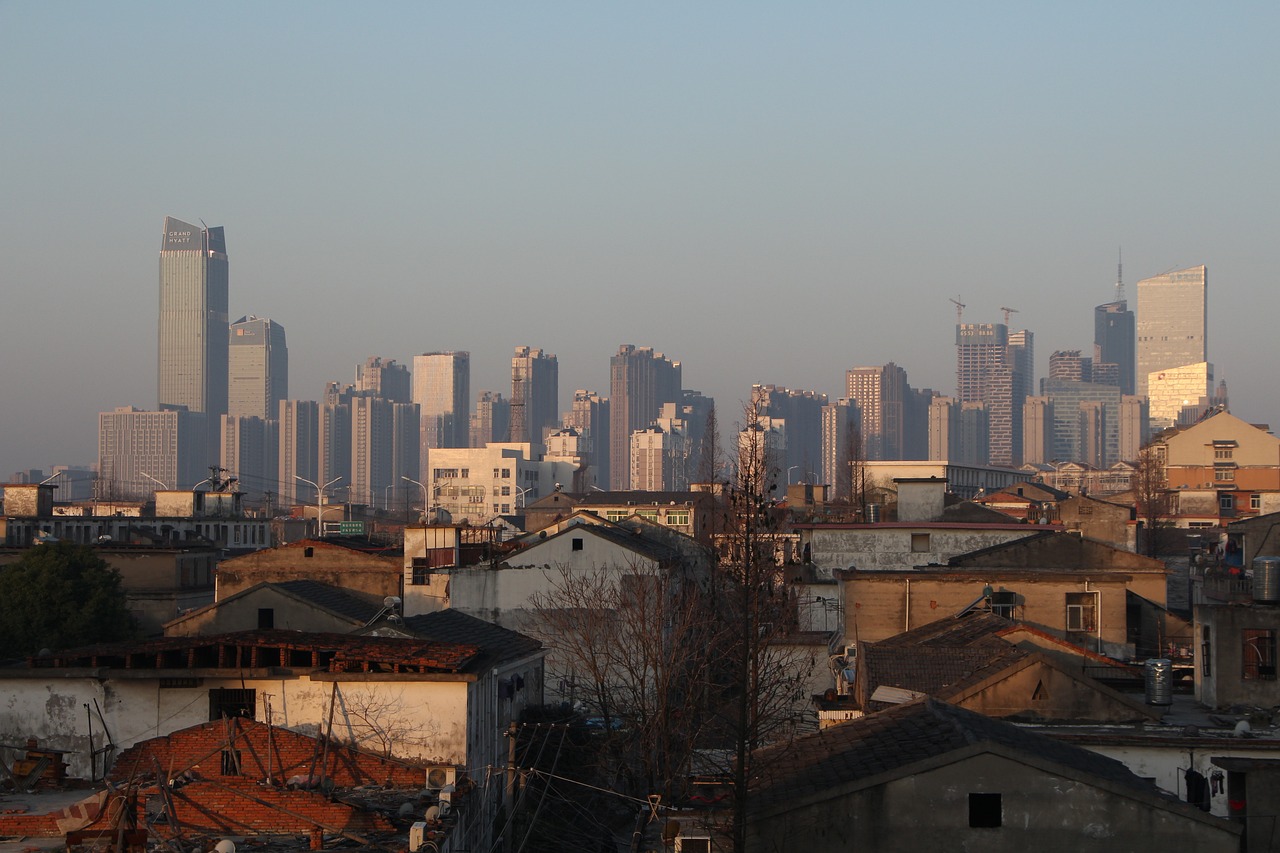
(193, 334)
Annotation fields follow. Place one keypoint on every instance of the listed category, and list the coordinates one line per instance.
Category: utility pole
(509, 794)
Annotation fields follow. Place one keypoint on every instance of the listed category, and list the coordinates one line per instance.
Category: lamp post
(386, 497)
(154, 480)
(319, 498)
(520, 493)
(424, 493)
(789, 470)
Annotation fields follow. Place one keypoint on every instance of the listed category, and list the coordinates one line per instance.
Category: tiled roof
(331, 598)
(936, 671)
(897, 738)
(305, 650)
(453, 626)
(952, 631)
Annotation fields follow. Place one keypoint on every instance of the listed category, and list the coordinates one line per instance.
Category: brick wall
(247, 807)
(201, 749)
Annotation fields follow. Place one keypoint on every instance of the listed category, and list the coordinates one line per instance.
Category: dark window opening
(1206, 653)
(985, 811)
(266, 617)
(577, 543)
(1258, 654)
(308, 552)
(230, 762)
(225, 702)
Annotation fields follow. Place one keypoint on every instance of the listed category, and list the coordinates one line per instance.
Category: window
(1003, 602)
(648, 514)
(1222, 453)
(985, 811)
(225, 702)
(1258, 654)
(1206, 653)
(1226, 501)
(466, 473)
(615, 514)
(1224, 472)
(266, 617)
(506, 473)
(577, 543)
(1082, 611)
(919, 542)
(1255, 502)
(421, 571)
(678, 518)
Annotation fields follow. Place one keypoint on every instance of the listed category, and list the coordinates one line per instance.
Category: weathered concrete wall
(1040, 811)
(373, 576)
(891, 547)
(427, 719)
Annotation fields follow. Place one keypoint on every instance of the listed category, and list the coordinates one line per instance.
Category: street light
(520, 493)
(319, 498)
(386, 496)
(154, 480)
(424, 493)
(789, 470)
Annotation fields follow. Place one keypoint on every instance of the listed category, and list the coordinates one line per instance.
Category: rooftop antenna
(1007, 312)
(959, 309)
(1120, 275)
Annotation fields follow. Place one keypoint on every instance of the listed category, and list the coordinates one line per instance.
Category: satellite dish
(225, 846)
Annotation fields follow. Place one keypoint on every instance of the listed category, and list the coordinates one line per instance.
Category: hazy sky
(766, 192)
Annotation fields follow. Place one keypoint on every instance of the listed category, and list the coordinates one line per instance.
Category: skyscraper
(1113, 333)
(590, 417)
(802, 412)
(641, 380)
(139, 451)
(258, 368)
(535, 394)
(1172, 322)
(995, 367)
(193, 334)
(880, 394)
(385, 379)
(491, 420)
(442, 390)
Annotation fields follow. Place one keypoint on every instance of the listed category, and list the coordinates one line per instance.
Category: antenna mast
(1120, 275)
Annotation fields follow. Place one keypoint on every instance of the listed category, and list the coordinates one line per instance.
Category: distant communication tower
(1119, 275)
(959, 309)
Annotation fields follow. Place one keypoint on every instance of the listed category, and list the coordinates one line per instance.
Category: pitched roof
(891, 741)
(453, 626)
(329, 597)
(1052, 550)
(632, 539)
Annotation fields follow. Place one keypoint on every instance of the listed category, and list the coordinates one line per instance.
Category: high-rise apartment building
(1037, 430)
(880, 394)
(299, 454)
(640, 381)
(250, 454)
(802, 413)
(1172, 322)
(442, 390)
(258, 368)
(384, 378)
(589, 416)
(658, 456)
(491, 420)
(193, 334)
(841, 438)
(996, 368)
(535, 394)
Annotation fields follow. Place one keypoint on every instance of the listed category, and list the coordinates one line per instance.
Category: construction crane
(1007, 312)
(959, 309)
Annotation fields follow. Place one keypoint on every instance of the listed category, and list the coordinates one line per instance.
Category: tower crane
(959, 309)
(1007, 312)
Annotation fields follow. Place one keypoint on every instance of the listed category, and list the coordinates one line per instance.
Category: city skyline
(774, 195)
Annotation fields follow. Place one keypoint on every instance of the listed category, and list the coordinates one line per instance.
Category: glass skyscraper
(1172, 322)
(193, 332)
(259, 368)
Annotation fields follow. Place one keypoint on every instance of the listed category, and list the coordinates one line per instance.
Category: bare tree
(1152, 499)
(632, 645)
(377, 720)
(764, 684)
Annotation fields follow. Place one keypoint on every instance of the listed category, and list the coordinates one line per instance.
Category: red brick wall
(200, 750)
(246, 807)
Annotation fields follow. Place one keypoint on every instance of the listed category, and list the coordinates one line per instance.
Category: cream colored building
(1171, 390)
(477, 484)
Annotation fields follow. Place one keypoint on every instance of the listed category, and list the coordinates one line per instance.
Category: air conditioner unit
(439, 776)
(417, 836)
(851, 652)
(693, 844)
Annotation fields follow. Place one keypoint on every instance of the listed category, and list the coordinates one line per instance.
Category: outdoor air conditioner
(439, 776)
(693, 844)
(417, 836)
(851, 652)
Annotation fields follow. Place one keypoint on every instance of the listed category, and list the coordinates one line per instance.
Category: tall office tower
(258, 371)
(1068, 364)
(590, 417)
(535, 394)
(299, 454)
(695, 409)
(802, 413)
(1133, 427)
(1113, 335)
(491, 420)
(1105, 373)
(1176, 392)
(384, 378)
(193, 319)
(1037, 430)
(1173, 322)
(1022, 358)
(880, 394)
(980, 349)
(139, 452)
(1069, 443)
(250, 454)
(841, 426)
(640, 381)
(442, 390)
